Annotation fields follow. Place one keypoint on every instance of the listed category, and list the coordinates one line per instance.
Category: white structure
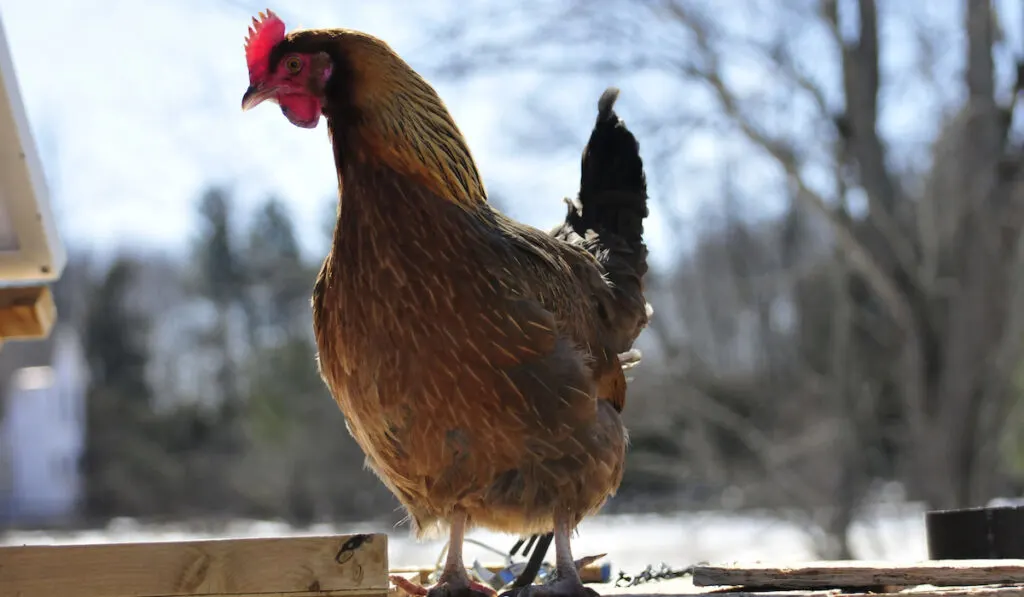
(30, 249)
(42, 433)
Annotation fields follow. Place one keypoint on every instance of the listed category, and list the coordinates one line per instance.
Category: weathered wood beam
(344, 565)
(26, 312)
(824, 575)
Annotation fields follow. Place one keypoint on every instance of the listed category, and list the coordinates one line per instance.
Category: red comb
(263, 35)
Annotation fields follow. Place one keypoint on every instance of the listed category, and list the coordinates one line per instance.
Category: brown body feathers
(475, 358)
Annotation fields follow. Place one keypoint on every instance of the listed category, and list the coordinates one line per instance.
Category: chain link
(651, 574)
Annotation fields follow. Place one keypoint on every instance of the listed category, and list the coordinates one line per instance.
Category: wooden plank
(26, 312)
(817, 575)
(334, 565)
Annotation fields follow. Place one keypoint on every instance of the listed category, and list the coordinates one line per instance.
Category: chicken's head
(294, 80)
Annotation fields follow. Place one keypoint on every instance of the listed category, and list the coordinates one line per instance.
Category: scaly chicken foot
(454, 580)
(567, 581)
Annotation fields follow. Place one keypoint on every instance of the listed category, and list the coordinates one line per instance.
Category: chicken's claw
(558, 588)
(408, 586)
(443, 589)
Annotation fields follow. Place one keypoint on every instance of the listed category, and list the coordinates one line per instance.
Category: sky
(135, 109)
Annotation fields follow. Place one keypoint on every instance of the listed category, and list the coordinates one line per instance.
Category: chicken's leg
(568, 583)
(454, 580)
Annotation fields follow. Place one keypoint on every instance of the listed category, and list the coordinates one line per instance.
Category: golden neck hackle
(403, 122)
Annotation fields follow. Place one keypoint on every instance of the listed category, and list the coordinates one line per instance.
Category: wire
(650, 574)
(439, 563)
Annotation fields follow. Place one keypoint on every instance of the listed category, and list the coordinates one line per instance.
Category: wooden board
(26, 313)
(349, 565)
(823, 575)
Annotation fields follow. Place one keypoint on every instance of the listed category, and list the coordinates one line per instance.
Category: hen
(478, 361)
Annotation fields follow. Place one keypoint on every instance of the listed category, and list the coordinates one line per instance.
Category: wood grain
(823, 575)
(333, 565)
(26, 312)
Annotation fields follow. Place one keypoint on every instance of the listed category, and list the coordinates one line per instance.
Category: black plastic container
(976, 533)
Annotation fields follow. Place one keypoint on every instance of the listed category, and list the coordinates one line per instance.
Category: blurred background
(835, 215)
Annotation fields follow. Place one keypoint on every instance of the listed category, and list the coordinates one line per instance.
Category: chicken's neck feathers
(396, 120)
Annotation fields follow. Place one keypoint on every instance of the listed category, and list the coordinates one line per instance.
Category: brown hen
(476, 359)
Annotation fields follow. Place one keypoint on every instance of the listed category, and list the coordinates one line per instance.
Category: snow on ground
(631, 541)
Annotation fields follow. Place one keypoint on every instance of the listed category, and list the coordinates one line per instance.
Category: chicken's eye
(293, 64)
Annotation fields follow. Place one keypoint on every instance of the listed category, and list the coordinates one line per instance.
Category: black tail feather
(612, 200)
(607, 219)
(613, 186)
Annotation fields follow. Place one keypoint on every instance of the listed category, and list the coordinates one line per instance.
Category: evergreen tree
(123, 462)
(221, 280)
(279, 282)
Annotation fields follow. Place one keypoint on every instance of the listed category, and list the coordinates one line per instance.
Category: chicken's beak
(255, 95)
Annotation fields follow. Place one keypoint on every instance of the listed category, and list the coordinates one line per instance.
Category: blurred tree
(871, 332)
(220, 282)
(282, 364)
(279, 282)
(162, 441)
(124, 466)
(222, 275)
(221, 279)
(295, 426)
(70, 291)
